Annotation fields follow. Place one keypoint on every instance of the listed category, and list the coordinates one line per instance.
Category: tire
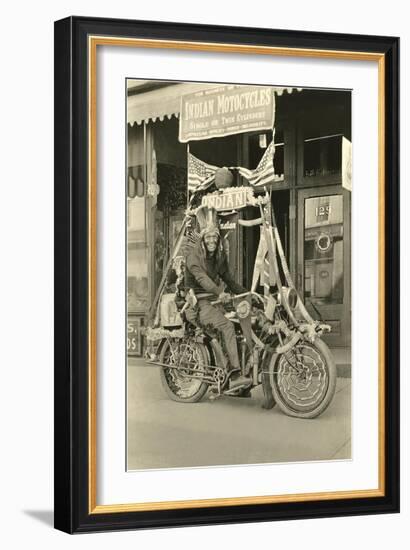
(304, 379)
(177, 386)
(268, 398)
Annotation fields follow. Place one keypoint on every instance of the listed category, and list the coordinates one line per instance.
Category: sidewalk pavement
(343, 360)
(165, 434)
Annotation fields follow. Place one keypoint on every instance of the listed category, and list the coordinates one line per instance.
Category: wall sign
(226, 110)
(134, 335)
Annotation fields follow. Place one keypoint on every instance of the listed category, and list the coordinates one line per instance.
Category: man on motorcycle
(206, 271)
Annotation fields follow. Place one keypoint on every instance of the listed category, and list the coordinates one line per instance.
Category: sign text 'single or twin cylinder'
(225, 104)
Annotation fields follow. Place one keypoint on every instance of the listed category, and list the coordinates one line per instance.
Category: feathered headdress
(207, 219)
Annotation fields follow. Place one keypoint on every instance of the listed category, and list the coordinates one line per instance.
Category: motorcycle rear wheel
(304, 379)
(177, 383)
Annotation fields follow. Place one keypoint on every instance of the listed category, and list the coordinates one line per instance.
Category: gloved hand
(224, 297)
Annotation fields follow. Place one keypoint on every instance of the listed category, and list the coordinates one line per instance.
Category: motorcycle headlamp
(243, 309)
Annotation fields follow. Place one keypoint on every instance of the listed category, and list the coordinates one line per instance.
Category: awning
(166, 101)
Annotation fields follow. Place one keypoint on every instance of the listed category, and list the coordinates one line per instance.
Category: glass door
(324, 258)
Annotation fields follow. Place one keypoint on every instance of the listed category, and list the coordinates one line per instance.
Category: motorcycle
(279, 344)
(293, 364)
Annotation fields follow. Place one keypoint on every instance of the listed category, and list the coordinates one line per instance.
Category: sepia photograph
(238, 209)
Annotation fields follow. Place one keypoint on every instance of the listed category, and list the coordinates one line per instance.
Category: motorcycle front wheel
(184, 383)
(304, 379)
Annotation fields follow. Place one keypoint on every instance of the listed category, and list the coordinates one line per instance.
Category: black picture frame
(72, 276)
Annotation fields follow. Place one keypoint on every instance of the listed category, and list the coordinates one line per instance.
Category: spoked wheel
(185, 383)
(304, 379)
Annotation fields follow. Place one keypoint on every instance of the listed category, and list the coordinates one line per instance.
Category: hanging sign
(236, 197)
(226, 110)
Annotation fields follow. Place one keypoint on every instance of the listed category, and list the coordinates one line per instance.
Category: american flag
(200, 174)
(264, 173)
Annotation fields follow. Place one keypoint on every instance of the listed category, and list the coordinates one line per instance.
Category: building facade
(311, 195)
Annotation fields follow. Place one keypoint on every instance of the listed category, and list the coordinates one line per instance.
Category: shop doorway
(251, 235)
(324, 258)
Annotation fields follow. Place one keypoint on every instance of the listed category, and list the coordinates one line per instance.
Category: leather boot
(238, 380)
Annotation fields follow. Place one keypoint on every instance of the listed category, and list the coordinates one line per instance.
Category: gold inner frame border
(93, 43)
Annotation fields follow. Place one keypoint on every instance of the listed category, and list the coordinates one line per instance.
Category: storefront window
(137, 256)
(323, 250)
(258, 143)
(322, 156)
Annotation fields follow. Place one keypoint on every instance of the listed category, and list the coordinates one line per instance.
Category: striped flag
(259, 261)
(200, 174)
(264, 173)
(263, 270)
